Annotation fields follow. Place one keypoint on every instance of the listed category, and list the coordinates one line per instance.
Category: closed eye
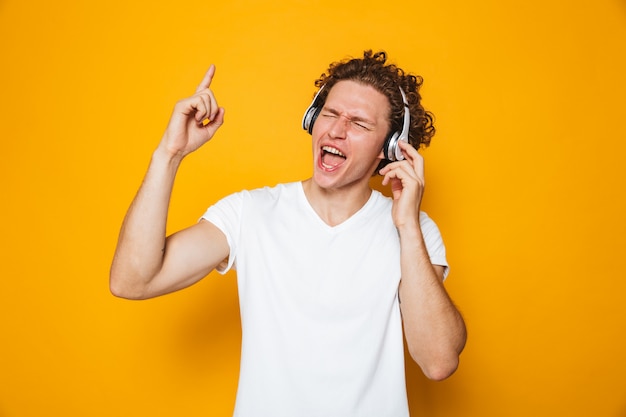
(361, 125)
(329, 113)
(355, 121)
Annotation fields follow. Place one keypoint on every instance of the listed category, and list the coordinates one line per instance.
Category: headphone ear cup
(310, 117)
(306, 120)
(390, 147)
(311, 113)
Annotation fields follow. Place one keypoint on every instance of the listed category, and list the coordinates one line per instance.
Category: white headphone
(391, 149)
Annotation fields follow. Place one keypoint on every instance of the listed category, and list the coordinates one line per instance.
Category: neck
(335, 206)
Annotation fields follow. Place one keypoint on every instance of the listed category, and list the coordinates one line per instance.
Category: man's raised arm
(146, 263)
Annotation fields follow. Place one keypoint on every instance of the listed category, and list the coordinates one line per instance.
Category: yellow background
(525, 178)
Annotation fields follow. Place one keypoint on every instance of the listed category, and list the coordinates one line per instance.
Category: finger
(408, 150)
(204, 107)
(399, 170)
(418, 166)
(216, 122)
(199, 108)
(215, 108)
(191, 106)
(414, 157)
(206, 81)
(403, 167)
(210, 103)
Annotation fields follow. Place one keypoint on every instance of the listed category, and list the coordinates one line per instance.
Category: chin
(321, 180)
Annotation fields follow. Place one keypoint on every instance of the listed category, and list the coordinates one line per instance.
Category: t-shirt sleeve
(434, 243)
(226, 216)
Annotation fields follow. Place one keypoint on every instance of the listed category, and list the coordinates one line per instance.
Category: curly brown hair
(373, 70)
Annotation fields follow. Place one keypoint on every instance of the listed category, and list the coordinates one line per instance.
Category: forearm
(140, 249)
(434, 328)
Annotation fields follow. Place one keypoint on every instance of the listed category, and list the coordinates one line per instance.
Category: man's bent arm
(434, 328)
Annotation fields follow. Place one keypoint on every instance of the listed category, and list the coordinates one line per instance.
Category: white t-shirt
(321, 325)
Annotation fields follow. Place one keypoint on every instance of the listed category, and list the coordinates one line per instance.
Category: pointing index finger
(206, 81)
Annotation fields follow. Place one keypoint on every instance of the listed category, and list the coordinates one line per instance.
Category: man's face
(348, 135)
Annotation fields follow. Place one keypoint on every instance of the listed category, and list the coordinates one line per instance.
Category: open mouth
(332, 157)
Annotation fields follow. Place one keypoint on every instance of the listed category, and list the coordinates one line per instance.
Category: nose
(339, 127)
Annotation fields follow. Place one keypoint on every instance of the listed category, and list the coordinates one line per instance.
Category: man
(329, 271)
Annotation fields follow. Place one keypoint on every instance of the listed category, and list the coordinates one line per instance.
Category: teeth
(333, 151)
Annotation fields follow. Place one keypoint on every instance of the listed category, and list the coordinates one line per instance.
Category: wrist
(164, 164)
(162, 155)
(409, 224)
(410, 230)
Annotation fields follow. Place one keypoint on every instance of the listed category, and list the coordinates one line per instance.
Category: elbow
(119, 287)
(117, 290)
(439, 366)
(121, 292)
(442, 370)
(440, 362)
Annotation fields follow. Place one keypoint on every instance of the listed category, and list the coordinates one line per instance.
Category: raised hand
(406, 178)
(194, 120)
